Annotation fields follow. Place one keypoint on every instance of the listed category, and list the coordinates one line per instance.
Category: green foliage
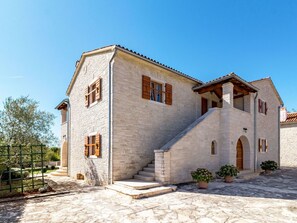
(52, 156)
(15, 174)
(53, 167)
(44, 170)
(228, 170)
(202, 174)
(269, 165)
(21, 122)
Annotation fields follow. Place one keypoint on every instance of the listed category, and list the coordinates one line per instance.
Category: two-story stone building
(125, 110)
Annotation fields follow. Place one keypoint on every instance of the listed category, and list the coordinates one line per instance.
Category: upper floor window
(93, 93)
(156, 91)
(152, 90)
(262, 107)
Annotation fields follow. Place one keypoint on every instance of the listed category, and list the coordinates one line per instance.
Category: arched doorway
(239, 155)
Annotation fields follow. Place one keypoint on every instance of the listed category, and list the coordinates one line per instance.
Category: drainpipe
(110, 113)
(278, 129)
(68, 136)
(255, 133)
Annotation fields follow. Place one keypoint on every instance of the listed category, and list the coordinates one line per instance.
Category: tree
(21, 122)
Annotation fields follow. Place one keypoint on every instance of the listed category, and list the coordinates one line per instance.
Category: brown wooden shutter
(266, 108)
(98, 145)
(260, 105)
(260, 145)
(266, 143)
(87, 96)
(98, 89)
(86, 146)
(168, 94)
(146, 87)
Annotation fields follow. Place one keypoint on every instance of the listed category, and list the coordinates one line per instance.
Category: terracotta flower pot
(202, 185)
(228, 179)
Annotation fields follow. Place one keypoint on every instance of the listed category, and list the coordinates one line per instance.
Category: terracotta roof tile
(291, 117)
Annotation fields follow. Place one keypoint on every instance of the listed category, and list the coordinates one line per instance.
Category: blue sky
(40, 41)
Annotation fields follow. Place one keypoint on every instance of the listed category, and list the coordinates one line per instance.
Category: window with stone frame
(263, 145)
(156, 92)
(262, 106)
(93, 93)
(213, 149)
(93, 146)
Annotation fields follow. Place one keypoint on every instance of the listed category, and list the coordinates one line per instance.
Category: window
(263, 145)
(262, 107)
(93, 93)
(152, 90)
(156, 91)
(213, 148)
(93, 146)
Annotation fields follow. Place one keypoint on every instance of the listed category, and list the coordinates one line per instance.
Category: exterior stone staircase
(147, 174)
(142, 185)
(62, 171)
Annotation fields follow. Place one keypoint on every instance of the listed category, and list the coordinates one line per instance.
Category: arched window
(213, 150)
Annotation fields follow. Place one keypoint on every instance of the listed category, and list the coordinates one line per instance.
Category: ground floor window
(93, 146)
(263, 145)
(213, 150)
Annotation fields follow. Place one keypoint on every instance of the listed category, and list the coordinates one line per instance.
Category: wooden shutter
(87, 96)
(168, 94)
(260, 144)
(266, 143)
(86, 146)
(98, 89)
(98, 145)
(260, 105)
(266, 108)
(146, 87)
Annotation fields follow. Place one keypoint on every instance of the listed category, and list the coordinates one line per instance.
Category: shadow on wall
(92, 176)
(12, 211)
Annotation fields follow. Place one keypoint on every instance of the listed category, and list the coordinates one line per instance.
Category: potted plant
(268, 166)
(202, 176)
(228, 172)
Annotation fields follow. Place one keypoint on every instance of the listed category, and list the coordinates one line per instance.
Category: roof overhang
(241, 87)
(63, 104)
(127, 51)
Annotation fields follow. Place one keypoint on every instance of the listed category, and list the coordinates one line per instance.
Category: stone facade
(268, 125)
(141, 130)
(288, 142)
(86, 121)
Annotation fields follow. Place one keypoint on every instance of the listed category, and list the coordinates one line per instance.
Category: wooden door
(204, 106)
(239, 155)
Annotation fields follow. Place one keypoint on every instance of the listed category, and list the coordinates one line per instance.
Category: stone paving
(264, 199)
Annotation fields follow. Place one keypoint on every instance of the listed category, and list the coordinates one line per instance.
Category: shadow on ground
(282, 184)
(8, 216)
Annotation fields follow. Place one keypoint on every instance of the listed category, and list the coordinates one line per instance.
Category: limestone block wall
(141, 126)
(93, 119)
(288, 142)
(267, 125)
(190, 150)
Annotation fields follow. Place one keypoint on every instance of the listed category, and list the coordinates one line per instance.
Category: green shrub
(202, 174)
(228, 170)
(269, 165)
(44, 170)
(53, 167)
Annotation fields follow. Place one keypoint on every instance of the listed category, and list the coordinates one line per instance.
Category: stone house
(288, 134)
(130, 116)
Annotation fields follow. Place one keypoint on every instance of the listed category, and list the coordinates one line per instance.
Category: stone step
(144, 178)
(145, 173)
(56, 173)
(151, 165)
(137, 194)
(149, 169)
(61, 170)
(137, 184)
